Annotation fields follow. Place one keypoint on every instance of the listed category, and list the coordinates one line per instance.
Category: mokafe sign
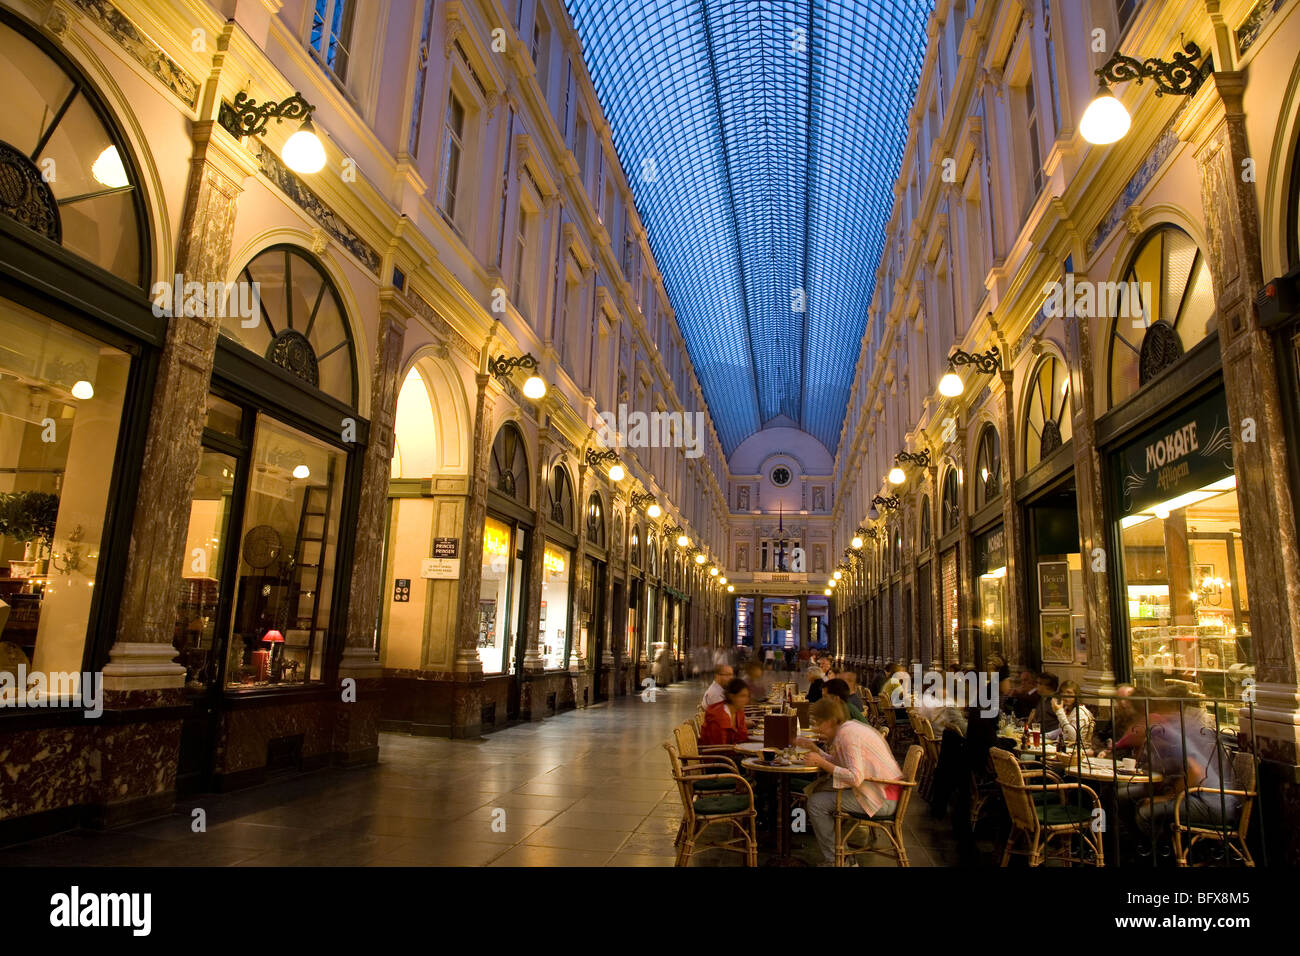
(1189, 451)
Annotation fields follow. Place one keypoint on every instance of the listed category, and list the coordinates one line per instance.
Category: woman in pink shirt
(859, 756)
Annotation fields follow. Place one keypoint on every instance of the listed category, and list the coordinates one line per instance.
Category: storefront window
(991, 573)
(988, 467)
(498, 608)
(75, 177)
(948, 505)
(595, 521)
(302, 327)
(556, 576)
(285, 586)
(1047, 416)
(1170, 280)
(61, 399)
(925, 523)
(949, 621)
(206, 545)
(1185, 593)
(651, 620)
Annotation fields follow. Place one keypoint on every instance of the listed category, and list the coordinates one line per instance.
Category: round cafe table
(783, 774)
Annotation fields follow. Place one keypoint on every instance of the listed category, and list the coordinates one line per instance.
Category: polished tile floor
(585, 788)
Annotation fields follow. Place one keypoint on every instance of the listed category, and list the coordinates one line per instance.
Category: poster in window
(487, 623)
(1057, 639)
(1053, 586)
(1080, 638)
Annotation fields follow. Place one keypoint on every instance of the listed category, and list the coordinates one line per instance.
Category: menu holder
(780, 730)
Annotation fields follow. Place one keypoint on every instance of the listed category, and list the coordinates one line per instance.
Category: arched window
(898, 549)
(1170, 281)
(595, 521)
(925, 524)
(561, 495)
(635, 545)
(988, 467)
(949, 507)
(652, 555)
(508, 469)
(65, 172)
(1047, 410)
(301, 326)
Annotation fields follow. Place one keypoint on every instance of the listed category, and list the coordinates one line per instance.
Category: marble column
(1215, 126)
(1019, 633)
(356, 729)
(467, 690)
(1098, 565)
(532, 702)
(141, 670)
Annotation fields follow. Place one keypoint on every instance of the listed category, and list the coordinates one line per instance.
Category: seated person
(839, 688)
(1075, 720)
(722, 676)
(897, 682)
(816, 679)
(1187, 755)
(1024, 699)
(758, 689)
(856, 752)
(850, 677)
(1043, 714)
(724, 722)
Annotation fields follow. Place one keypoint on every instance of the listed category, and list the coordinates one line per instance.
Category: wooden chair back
(1020, 806)
(688, 743)
(911, 767)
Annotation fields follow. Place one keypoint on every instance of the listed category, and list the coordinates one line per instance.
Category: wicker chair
(1231, 836)
(848, 823)
(1041, 822)
(702, 808)
(924, 731)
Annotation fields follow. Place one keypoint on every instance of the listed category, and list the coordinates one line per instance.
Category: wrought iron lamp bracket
(246, 117)
(1177, 77)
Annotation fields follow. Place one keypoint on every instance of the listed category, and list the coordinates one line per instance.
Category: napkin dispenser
(780, 730)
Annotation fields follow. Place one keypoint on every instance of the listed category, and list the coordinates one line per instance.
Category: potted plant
(29, 516)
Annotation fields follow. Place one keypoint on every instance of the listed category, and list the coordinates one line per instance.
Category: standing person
(789, 659)
(770, 657)
(856, 752)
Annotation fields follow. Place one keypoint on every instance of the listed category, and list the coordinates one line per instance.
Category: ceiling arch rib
(774, 131)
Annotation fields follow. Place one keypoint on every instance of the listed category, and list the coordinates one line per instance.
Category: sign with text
(444, 565)
(1187, 453)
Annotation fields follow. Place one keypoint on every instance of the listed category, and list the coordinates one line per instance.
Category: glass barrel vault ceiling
(762, 141)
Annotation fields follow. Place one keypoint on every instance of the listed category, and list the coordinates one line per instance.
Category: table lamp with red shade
(276, 640)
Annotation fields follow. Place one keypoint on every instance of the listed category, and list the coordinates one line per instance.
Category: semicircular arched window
(561, 495)
(300, 323)
(988, 467)
(925, 523)
(65, 172)
(508, 468)
(595, 521)
(949, 508)
(1170, 281)
(1047, 412)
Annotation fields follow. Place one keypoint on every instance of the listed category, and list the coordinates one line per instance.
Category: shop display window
(498, 609)
(554, 627)
(206, 545)
(1185, 593)
(61, 397)
(284, 589)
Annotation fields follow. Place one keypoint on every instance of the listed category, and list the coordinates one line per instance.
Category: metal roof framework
(762, 141)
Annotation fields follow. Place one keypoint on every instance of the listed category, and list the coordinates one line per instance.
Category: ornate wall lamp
(596, 458)
(921, 459)
(859, 534)
(303, 153)
(987, 362)
(889, 504)
(503, 365)
(1106, 120)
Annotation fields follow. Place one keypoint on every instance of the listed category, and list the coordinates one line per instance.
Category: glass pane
(60, 409)
(494, 594)
(286, 571)
(223, 416)
(1187, 608)
(556, 574)
(205, 549)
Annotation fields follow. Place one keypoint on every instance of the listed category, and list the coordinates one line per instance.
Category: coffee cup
(769, 754)
(1128, 763)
